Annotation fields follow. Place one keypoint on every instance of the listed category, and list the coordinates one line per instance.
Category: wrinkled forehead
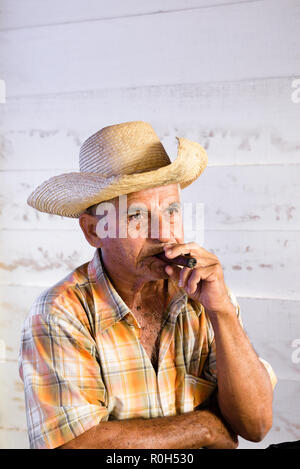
(154, 196)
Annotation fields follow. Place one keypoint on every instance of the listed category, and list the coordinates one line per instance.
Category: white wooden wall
(219, 72)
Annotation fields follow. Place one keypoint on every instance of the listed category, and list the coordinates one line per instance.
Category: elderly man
(133, 350)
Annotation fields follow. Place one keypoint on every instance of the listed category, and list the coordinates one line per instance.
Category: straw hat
(118, 159)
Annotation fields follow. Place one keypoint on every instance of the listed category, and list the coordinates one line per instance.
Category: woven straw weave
(118, 159)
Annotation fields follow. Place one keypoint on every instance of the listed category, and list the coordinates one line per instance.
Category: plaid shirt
(81, 360)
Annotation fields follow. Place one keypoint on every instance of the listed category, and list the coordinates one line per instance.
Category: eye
(173, 210)
(135, 216)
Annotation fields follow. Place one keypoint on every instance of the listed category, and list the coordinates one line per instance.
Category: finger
(193, 281)
(193, 249)
(184, 275)
(173, 272)
(202, 273)
(175, 250)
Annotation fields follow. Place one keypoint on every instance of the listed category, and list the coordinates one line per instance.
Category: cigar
(186, 260)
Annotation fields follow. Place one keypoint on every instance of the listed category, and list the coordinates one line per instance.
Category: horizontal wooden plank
(17, 14)
(234, 197)
(197, 47)
(272, 326)
(248, 122)
(256, 264)
(55, 254)
(248, 197)
(15, 189)
(15, 303)
(12, 405)
(13, 439)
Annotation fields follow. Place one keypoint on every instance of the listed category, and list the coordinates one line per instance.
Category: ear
(88, 225)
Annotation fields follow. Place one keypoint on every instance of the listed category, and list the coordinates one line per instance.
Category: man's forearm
(244, 386)
(192, 430)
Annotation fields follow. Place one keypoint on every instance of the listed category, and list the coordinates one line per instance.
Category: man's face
(153, 218)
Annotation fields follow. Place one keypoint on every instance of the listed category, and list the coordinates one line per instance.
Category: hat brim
(70, 194)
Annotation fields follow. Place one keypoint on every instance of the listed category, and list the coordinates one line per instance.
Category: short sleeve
(210, 368)
(270, 370)
(64, 392)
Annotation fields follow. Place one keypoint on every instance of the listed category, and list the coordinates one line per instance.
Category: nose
(161, 229)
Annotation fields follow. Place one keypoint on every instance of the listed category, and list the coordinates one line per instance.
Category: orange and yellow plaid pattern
(81, 360)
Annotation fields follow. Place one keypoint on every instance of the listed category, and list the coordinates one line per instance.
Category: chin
(159, 275)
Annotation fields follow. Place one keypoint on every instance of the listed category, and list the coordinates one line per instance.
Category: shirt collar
(108, 304)
(111, 308)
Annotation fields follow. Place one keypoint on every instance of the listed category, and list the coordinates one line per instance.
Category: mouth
(155, 261)
(161, 256)
(184, 260)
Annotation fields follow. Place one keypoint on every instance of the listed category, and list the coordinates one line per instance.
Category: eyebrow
(174, 204)
(134, 207)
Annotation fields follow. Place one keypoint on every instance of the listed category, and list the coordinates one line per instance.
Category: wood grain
(218, 72)
(12, 406)
(14, 13)
(248, 122)
(260, 197)
(126, 52)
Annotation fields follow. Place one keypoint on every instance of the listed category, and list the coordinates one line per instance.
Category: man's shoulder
(64, 297)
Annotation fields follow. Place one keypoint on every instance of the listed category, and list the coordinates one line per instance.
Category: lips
(182, 260)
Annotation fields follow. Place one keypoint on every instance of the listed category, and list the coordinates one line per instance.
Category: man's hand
(205, 282)
(223, 437)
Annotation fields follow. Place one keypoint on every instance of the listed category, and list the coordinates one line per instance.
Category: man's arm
(244, 386)
(201, 428)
